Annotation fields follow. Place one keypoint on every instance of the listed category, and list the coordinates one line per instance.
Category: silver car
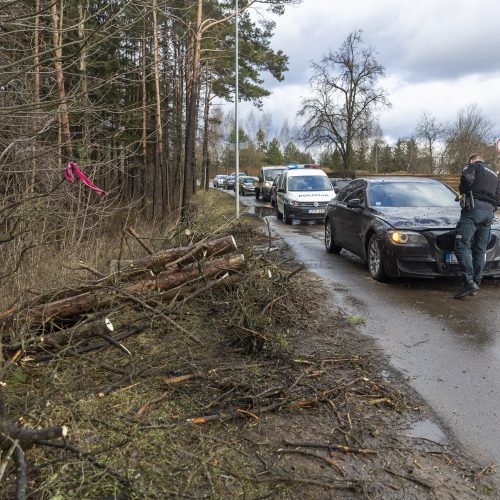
(218, 181)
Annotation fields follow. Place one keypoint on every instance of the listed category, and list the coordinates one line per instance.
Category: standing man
(480, 197)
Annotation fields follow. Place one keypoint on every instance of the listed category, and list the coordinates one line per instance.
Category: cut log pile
(65, 322)
(176, 272)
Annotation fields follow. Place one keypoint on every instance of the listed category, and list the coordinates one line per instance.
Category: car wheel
(330, 245)
(286, 217)
(376, 260)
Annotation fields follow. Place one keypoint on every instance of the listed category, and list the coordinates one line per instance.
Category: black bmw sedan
(401, 226)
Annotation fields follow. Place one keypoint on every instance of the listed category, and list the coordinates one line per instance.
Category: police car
(302, 194)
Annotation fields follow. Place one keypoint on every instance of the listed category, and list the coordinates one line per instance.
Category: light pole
(236, 119)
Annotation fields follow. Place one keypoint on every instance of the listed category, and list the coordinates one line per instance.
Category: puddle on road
(263, 211)
(427, 429)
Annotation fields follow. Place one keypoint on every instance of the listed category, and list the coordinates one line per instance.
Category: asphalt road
(448, 349)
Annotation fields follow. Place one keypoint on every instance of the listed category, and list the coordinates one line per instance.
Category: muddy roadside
(280, 397)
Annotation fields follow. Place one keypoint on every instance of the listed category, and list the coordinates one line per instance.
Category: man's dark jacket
(482, 182)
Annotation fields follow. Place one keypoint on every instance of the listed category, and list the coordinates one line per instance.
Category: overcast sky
(439, 55)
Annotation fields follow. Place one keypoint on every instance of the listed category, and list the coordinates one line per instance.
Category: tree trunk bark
(191, 116)
(144, 143)
(36, 62)
(158, 127)
(67, 150)
(83, 75)
(206, 113)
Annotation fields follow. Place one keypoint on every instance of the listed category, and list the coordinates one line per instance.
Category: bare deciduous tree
(344, 98)
(471, 132)
(430, 130)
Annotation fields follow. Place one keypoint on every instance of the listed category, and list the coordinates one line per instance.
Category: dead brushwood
(111, 341)
(15, 440)
(331, 446)
(90, 457)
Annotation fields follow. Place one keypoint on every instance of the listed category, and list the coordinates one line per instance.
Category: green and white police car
(303, 194)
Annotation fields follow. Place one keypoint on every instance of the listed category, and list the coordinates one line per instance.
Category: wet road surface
(448, 349)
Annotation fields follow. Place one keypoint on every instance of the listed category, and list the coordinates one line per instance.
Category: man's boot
(470, 288)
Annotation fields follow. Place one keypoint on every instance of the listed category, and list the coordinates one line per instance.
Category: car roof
(398, 178)
(306, 171)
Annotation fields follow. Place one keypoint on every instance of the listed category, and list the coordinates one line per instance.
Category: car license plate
(317, 211)
(450, 258)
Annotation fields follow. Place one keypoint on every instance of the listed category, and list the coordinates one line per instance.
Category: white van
(303, 193)
(266, 178)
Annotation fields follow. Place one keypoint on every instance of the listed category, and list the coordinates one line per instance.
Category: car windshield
(309, 183)
(247, 180)
(411, 194)
(340, 183)
(270, 175)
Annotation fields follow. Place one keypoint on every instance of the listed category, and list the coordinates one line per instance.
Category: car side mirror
(355, 203)
(281, 190)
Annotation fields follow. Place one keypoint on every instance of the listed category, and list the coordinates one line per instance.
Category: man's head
(473, 158)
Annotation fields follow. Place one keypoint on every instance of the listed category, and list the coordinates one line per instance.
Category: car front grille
(446, 242)
(312, 204)
(413, 266)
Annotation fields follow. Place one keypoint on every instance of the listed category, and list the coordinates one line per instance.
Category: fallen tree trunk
(177, 256)
(98, 328)
(126, 269)
(173, 278)
(81, 331)
(93, 300)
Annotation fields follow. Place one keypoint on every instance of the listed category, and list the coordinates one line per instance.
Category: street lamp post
(236, 119)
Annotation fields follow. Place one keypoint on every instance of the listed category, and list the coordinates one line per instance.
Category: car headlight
(294, 203)
(268, 184)
(408, 238)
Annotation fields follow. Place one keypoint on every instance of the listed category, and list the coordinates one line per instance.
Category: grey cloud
(423, 40)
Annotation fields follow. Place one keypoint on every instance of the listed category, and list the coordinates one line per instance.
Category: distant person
(479, 198)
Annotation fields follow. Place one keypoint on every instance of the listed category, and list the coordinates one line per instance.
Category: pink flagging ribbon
(71, 169)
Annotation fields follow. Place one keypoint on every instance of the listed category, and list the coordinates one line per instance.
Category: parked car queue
(400, 226)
